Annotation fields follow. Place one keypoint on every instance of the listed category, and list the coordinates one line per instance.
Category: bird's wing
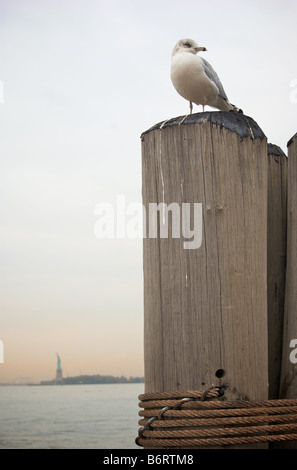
(212, 75)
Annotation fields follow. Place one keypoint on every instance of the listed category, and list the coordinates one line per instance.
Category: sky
(81, 80)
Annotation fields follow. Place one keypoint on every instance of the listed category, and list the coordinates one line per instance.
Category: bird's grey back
(212, 75)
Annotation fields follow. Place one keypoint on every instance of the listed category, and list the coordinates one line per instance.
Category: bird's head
(187, 45)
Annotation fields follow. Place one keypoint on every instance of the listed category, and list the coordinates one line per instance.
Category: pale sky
(82, 79)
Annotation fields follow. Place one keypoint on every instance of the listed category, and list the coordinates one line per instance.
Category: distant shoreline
(84, 380)
(93, 379)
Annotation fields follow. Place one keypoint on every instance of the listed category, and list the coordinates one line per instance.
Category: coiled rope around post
(202, 419)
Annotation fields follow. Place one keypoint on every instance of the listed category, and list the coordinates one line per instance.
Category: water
(69, 416)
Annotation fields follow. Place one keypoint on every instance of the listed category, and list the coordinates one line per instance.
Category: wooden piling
(289, 357)
(276, 261)
(288, 379)
(205, 309)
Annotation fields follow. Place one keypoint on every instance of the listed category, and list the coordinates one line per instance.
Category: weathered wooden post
(276, 261)
(205, 308)
(289, 356)
(213, 303)
(288, 382)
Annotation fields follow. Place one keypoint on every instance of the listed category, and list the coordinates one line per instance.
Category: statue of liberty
(59, 376)
(58, 362)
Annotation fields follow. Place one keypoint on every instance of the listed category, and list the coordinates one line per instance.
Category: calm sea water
(69, 416)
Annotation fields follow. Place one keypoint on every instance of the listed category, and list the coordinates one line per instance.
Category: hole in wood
(220, 373)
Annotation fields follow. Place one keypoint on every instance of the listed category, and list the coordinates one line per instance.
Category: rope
(203, 419)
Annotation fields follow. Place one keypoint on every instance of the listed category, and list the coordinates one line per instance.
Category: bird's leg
(185, 117)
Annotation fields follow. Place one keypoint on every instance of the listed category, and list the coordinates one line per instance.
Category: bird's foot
(164, 122)
(183, 119)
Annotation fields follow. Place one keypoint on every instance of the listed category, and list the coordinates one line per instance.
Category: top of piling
(273, 149)
(239, 123)
(291, 140)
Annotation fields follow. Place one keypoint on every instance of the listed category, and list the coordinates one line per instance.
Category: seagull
(195, 79)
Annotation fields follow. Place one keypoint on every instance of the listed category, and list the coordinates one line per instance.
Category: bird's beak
(200, 49)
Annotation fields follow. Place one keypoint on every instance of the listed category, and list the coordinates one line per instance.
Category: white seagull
(195, 79)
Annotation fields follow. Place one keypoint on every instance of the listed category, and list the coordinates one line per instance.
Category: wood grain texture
(206, 309)
(289, 369)
(276, 261)
(288, 383)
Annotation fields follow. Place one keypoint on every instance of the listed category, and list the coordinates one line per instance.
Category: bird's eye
(187, 44)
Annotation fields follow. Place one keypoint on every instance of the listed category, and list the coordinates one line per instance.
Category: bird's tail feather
(235, 109)
(224, 105)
